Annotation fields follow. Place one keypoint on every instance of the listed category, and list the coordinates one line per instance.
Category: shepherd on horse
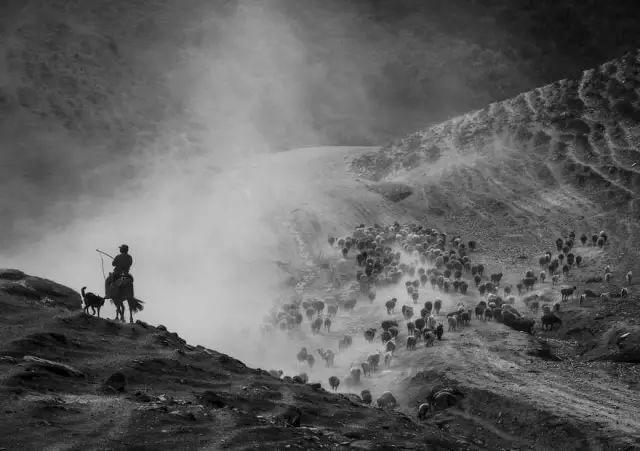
(119, 285)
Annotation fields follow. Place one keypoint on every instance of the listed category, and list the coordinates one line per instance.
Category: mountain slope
(558, 157)
(105, 385)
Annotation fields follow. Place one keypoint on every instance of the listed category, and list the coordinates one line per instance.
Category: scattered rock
(290, 415)
(162, 328)
(117, 382)
(362, 444)
(17, 289)
(11, 274)
(55, 367)
(8, 359)
(212, 399)
(142, 397)
(142, 323)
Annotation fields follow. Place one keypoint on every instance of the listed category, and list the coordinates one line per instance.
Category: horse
(120, 289)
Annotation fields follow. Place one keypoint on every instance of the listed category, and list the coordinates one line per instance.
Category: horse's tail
(136, 305)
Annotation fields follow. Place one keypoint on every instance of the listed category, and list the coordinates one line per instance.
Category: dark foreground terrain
(107, 385)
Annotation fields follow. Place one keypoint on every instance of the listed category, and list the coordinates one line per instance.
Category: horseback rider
(122, 262)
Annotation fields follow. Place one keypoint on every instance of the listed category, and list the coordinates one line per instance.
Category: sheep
(437, 305)
(607, 277)
(439, 331)
(334, 382)
(390, 346)
(318, 306)
(373, 360)
(594, 238)
(420, 323)
(328, 356)
(488, 314)
(507, 290)
(479, 310)
(543, 276)
(628, 277)
(566, 292)
(410, 327)
(385, 336)
(393, 331)
(480, 269)
(583, 298)
(366, 369)
(555, 279)
(411, 343)
(565, 270)
(310, 360)
(386, 324)
(583, 239)
(369, 334)
(366, 397)
(316, 325)
(430, 322)
(302, 355)
(429, 338)
(388, 356)
(407, 312)
(386, 401)
(390, 305)
(496, 278)
(310, 313)
(600, 242)
(453, 322)
(327, 324)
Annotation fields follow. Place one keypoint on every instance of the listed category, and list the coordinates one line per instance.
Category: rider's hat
(124, 247)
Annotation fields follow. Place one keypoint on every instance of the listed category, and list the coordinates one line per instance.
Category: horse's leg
(130, 313)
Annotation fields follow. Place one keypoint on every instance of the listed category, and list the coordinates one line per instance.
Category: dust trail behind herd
(484, 356)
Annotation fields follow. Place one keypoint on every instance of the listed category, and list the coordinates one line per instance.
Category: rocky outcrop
(16, 283)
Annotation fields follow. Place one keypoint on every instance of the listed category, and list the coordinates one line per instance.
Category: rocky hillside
(71, 381)
(563, 155)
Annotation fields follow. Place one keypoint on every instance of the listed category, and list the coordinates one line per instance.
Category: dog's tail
(136, 305)
(82, 290)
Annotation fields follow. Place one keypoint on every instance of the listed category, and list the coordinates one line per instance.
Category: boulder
(117, 382)
(55, 367)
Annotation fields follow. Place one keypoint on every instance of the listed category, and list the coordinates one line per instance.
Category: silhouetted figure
(122, 262)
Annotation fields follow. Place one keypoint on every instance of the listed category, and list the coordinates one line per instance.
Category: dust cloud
(204, 228)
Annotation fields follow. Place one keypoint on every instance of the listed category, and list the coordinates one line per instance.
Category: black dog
(91, 300)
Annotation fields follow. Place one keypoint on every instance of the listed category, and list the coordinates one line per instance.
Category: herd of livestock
(426, 261)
